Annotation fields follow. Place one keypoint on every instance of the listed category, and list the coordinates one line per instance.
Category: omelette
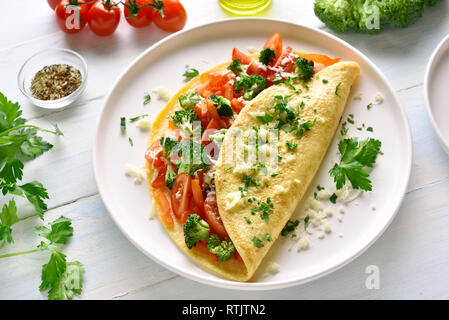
(234, 151)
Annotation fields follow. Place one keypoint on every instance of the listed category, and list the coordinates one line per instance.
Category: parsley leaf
(191, 73)
(8, 217)
(289, 227)
(355, 156)
(60, 230)
(69, 284)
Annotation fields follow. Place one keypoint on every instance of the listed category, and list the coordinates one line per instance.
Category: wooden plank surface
(412, 254)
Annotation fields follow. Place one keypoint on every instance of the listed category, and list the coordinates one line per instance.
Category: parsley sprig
(355, 157)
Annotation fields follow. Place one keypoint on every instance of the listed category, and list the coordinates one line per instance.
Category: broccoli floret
(304, 68)
(369, 16)
(183, 119)
(223, 105)
(266, 56)
(236, 66)
(250, 85)
(167, 145)
(222, 249)
(399, 13)
(170, 176)
(195, 230)
(336, 14)
(432, 2)
(189, 100)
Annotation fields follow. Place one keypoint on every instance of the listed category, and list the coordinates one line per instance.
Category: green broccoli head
(266, 56)
(250, 85)
(222, 249)
(432, 2)
(195, 230)
(304, 68)
(336, 14)
(369, 16)
(236, 66)
(170, 176)
(399, 13)
(182, 117)
(189, 100)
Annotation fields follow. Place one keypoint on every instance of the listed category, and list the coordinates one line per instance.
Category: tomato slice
(164, 207)
(159, 182)
(213, 216)
(275, 43)
(237, 105)
(239, 55)
(213, 113)
(197, 193)
(154, 155)
(171, 125)
(180, 194)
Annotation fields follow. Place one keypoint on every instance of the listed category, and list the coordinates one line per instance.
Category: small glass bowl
(46, 58)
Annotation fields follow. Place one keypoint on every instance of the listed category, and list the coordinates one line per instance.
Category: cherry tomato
(213, 217)
(53, 3)
(319, 58)
(104, 17)
(181, 193)
(137, 13)
(164, 206)
(174, 15)
(71, 19)
(239, 55)
(275, 43)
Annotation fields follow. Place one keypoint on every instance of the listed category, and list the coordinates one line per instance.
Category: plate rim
(444, 142)
(251, 286)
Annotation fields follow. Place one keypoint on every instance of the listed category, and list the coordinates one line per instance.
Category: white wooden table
(413, 254)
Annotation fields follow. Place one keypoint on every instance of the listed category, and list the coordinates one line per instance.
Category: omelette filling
(183, 160)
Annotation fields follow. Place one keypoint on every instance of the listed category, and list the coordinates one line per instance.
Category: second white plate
(437, 93)
(202, 48)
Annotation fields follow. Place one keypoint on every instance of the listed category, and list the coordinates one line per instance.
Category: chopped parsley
(130, 140)
(370, 129)
(325, 81)
(267, 118)
(138, 118)
(369, 106)
(265, 209)
(146, 99)
(289, 227)
(333, 198)
(268, 237)
(291, 145)
(257, 242)
(191, 73)
(247, 220)
(336, 90)
(123, 124)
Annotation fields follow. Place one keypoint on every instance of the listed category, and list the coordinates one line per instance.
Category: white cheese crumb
(340, 235)
(144, 123)
(373, 207)
(271, 268)
(279, 189)
(340, 218)
(378, 98)
(327, 227)
(321, 235)
(341, 210)
(303, 243)
(328, 212)
(324, 194)
(162, 93)
(251, 50)
(139, 173)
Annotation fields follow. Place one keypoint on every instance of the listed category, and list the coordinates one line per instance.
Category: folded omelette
(259, 170)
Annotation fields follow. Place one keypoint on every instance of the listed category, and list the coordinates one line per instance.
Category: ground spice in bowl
(55, 82)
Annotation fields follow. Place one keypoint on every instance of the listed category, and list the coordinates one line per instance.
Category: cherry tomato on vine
(104, 17)
(53, 3)
(71, 15)
(174, 15)
(137, 13)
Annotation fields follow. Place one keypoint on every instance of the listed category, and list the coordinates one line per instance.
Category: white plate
(203, 47)
(437, 93)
